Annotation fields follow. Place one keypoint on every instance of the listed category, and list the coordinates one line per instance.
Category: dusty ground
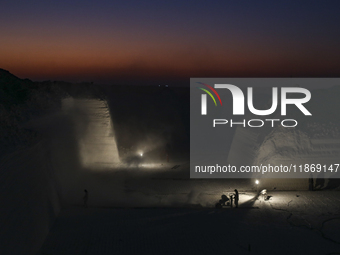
(291, 222)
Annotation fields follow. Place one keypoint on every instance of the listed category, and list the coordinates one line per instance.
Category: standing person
(231, 201)
(236, 198)
(86, 198)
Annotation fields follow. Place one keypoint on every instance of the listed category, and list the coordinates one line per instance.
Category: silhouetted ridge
(13, 90)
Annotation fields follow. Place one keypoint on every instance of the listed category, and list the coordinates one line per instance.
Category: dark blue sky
(109, 40)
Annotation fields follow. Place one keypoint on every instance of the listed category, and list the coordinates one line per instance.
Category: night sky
(111, 41)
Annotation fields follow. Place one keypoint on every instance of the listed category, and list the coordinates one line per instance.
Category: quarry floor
(290, 222)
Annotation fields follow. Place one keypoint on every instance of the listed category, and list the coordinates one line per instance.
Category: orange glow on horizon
(72, 59)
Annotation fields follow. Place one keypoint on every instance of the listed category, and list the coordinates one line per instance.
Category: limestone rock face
(94, 132)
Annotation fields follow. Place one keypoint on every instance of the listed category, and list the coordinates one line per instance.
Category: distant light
(166, 85)
(257, 182)
(141, 154)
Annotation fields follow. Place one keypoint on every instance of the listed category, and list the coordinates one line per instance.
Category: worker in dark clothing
(224, 199)
(86, 198)
(236, 198)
